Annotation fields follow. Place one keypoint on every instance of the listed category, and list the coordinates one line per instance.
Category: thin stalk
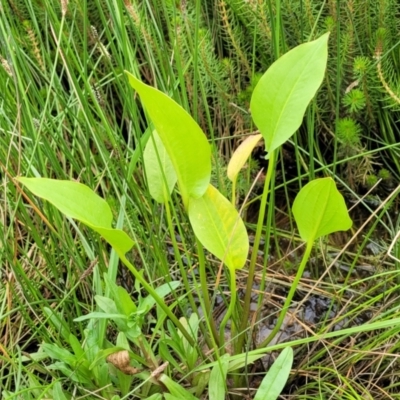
(205, 295)
(233, 201)
(182, 268)
(229, 311)
(289, 297)
(338, 84)
(277, 28)
(177, 255)
(256, 245)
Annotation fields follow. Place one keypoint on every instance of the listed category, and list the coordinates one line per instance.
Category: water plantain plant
(177, 152)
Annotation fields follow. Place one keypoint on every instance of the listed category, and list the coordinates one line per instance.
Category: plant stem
(252, 266)
(206, 298)
(289, 297)
(229, 311)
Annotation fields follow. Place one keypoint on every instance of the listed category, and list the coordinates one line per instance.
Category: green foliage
(182, 138)
(67, 114)
(182, 147)
(319, 209)
(219, 228)
(354, 100)
(78, 201)
(160, 173)
(349, 133)
(285, 91)
(275, 379)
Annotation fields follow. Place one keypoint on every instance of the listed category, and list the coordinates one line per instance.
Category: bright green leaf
(281, 97)
(160, 172)
(276, 378)
(182, 137)
(73, 199)
(78, 201)
(319, 209)
(241, 155)
(218, 226)
(217, 384)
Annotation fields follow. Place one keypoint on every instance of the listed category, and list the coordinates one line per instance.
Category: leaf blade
(78, 201)
(73, 199)
(281, 97)
(219, 228)
(241, 155)
(160, 172)
(319, 209)
(185, 142)
(276, 378)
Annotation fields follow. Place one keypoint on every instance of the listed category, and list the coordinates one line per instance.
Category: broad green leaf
(217, 384)
(241, 155)
(218, 226)
(182, 137)
(276, 378)
(319, 209)
(281, 97)
(160, 172)
(78, 201)
(73, 199)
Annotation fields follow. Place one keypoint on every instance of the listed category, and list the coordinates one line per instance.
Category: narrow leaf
(281, 97)
(78, 201)
(182, 137)
(217, 384)
(276, 378)
(218, 226)
(319, 209)
(58, 393)
(100, 315)
(241, 155)
(160, 172)
(176, 390)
